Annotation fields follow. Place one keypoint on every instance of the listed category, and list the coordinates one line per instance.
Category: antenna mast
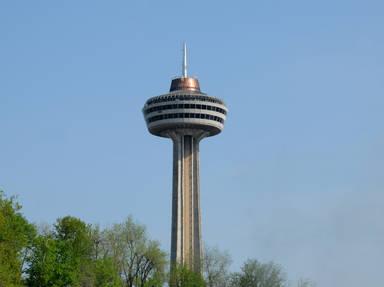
(185, 74)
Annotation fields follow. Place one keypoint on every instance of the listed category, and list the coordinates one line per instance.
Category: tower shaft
(186, 245)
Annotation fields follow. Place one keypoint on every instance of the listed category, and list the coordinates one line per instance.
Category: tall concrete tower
(186, 115)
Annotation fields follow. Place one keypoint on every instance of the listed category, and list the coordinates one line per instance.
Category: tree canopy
(63, 256)
(72, 253)
(216, 267)
(183, 277)
(16, 236)
(77, 254)
(256, 274)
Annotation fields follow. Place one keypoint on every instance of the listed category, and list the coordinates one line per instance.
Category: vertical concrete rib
(197, 245)
(176, 237)
(186, 247)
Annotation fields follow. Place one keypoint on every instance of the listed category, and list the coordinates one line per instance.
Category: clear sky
(297, 175)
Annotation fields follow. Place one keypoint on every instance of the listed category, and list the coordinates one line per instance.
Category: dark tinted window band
(184, 97)
(185, 106)
(185, 116)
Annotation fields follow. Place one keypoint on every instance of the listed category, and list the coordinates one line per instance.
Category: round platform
(184, 109)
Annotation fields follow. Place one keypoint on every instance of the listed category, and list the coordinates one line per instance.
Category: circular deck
(184, 110)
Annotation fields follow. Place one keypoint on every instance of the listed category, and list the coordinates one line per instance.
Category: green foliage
(216, 267)
(256, 274)
(62, 257)
(140, 261)
(181, 276)
(79, 255)
(42, 262)
(106, 274)
(16, 236)
(75, 254)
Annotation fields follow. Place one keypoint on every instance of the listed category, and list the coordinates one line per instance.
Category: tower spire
(184, 82)
(185, 74)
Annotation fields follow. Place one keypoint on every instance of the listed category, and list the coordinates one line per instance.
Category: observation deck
(184, 107)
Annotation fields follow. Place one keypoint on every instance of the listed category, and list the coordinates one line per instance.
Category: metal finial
(183, 82)
(185, 60)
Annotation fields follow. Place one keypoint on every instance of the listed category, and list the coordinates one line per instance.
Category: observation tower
(186, 115)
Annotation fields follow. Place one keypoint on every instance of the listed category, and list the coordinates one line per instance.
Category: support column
(186, 245)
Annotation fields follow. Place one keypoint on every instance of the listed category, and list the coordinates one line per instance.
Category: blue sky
(297, 175)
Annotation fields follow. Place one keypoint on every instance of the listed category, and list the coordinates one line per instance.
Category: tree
(181, 276)
(62, 257)
(138, 259)
(16, 236)
(105, 271)
(106, 274)
(151, 266)
(256, 274)
(216, 267)
(79, 255)
(68, 256)
(42, 262)
(74, 249)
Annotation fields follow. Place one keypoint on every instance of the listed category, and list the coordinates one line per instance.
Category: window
(185, 115)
